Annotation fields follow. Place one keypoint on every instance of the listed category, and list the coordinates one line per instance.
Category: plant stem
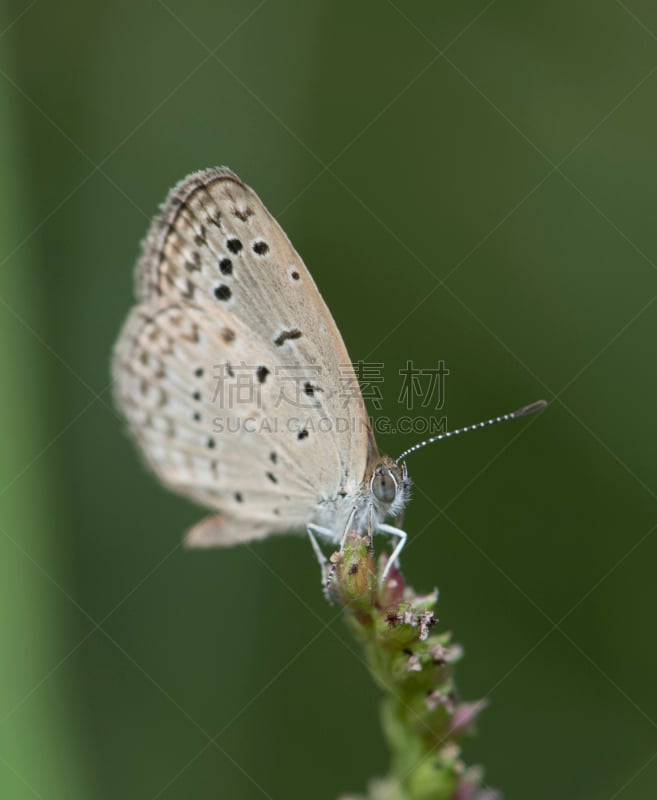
(423, 719)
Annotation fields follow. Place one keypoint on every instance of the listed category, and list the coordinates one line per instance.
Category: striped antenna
(521, 412)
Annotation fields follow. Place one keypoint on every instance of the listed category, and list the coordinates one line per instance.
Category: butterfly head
(390, 487)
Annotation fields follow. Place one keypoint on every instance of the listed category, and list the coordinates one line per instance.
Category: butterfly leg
(327, 534)
(401, 535)
(370, 529)
(347, 528)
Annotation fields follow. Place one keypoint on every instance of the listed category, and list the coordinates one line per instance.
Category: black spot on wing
(310, 388)
(284, 336)
(222, 292)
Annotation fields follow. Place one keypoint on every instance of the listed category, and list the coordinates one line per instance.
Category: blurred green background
(473, 181)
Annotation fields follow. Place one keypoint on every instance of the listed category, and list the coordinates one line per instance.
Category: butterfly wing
(231, 371)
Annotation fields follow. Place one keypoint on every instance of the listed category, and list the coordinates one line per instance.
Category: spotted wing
(231, 371)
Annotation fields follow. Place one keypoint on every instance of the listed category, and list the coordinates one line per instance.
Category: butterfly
(222, 294)
(228, 323)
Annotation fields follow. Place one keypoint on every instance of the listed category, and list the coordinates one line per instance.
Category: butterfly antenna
(521, 412)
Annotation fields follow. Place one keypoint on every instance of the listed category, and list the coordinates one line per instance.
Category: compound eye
(384, 487)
